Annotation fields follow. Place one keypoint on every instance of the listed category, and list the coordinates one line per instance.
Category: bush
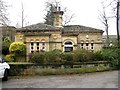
(53, 56)
(83, 55)
(10, 57)
(37, 58)
(67, 57)
(18, 48)
(5, 50)
(98, 56)
(111, 55)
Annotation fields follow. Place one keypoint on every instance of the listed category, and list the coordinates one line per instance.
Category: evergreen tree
(51, 7)
(49, 17)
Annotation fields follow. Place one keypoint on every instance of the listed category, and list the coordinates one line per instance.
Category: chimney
(57, 13)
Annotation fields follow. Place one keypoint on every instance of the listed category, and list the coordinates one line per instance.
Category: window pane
(68, 49)
(81, 44)
(37, 43)
(87, 44)
(37, 48)
(91, 47)
(43, 43)
(32, 43)
(68, 43)
(31, 47)
(91, 44)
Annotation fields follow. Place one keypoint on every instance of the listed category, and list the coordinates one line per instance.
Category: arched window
(43, 45)
(32, 46)
(68, 43)
(37, 45)
(87, 45)
(68, 46)
(82, 44)
(92, 45)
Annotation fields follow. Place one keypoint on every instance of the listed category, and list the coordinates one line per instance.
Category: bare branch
(68, 19)
(104, 19)
(3, 13)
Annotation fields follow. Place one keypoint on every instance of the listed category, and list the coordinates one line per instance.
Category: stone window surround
(87, 44)
(36, 43)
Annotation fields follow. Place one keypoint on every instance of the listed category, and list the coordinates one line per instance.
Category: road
(108, 79)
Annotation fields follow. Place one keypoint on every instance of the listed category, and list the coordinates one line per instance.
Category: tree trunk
(118, 37)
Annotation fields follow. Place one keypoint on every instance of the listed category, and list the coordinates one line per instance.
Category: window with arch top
(68, 46)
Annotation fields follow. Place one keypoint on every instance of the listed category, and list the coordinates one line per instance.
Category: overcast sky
(85, 12)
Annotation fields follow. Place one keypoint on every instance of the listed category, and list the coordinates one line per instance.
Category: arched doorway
(68, 46)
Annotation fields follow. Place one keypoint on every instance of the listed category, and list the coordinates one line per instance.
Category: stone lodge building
(66, 38)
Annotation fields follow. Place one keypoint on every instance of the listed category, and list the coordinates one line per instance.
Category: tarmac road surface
(108, 79)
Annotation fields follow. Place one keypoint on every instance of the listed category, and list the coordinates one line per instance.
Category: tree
(118, 22)
(115, 4)
(104, 19)
(3, 13)
(23, 17)
(5, 46)
(18, 48)
(49, 16)
(50, 6)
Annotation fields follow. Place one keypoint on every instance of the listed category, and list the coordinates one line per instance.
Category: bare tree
(67, 18)
(3, 13)
(115, 4)
(118, 22)
(22, 16)
(104, 19)
(49, 16)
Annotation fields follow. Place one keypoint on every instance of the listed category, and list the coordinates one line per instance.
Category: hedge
(50, 69)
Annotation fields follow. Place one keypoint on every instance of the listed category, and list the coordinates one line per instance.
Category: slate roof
(68, 28)
(7, 27)
(39, 26)
(80, 28)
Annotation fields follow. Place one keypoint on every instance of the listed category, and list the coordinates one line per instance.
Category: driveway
(108, 79)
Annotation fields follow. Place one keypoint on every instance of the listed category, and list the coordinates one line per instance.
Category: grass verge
(61, 71)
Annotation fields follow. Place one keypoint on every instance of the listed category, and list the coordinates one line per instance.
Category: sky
(86, 12)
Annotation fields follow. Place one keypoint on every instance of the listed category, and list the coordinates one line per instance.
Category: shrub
(18, 48)
(98, 56)
(53, 56)
(83, 55)
(10, 57)
(111, 55)
(67, 57)
(5, 50)
(37, 58)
